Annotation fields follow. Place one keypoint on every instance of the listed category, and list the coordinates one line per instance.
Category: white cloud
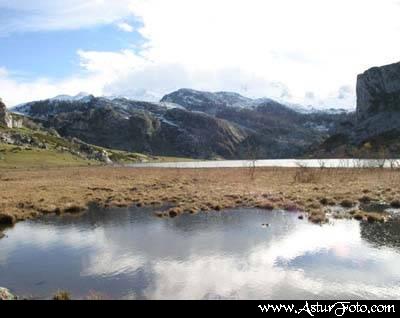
(28, 15)
(309, 45)
(279, 48)
(123, 26)
(14, 91)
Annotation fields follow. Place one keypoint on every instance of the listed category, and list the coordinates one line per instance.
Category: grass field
(60, 152)
(13, 157)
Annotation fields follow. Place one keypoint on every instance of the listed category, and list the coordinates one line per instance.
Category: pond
(235, 254)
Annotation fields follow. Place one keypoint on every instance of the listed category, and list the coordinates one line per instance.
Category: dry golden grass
(29, 193)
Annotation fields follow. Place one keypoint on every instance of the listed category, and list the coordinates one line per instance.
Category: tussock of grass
(371, 217)
(324, 201)
(291, 207)
(347, 203)
(74, 209)
(318, 217)
(395, 204)
(266, 205)
(159, 214)
(365, 199)
(375, 217)
(174, 212)
(314, 205)
(7, 219)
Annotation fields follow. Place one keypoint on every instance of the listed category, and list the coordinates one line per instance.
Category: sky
(297, 51)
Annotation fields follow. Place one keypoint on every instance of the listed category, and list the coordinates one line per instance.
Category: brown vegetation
(27, 194)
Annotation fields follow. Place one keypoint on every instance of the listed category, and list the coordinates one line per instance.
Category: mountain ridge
(230, 123)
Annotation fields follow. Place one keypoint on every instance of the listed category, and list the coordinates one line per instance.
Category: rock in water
(5, 294)
(378, 90)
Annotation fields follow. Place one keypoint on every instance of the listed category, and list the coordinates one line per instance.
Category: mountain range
(212, 125)
(186, 123)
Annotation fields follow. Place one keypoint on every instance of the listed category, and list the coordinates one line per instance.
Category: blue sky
(53, 54)
(308, 52)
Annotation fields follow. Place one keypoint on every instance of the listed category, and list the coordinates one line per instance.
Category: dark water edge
(235, 254)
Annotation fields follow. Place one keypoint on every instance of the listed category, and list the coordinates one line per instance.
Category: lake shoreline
(27, 194)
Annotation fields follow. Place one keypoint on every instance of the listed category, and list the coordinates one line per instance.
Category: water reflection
(131, 254)
(382, 234)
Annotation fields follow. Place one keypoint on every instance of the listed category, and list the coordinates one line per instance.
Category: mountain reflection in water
(129, 253)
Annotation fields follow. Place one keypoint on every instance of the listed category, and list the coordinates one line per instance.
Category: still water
(287, 163)
(130, 254)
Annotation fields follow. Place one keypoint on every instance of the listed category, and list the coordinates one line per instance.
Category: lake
(287, 163)
(131, 254)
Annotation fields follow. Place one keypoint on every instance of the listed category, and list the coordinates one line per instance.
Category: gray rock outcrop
(374, 131)
(6, 119)
(378, 90)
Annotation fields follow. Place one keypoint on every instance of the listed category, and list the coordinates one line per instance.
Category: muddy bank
(26, 194)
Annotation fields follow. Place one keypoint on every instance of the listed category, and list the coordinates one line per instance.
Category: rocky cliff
(375, 129)
(378, 90)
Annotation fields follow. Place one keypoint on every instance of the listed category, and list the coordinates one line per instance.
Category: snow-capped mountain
(185, 123)
(82, 96)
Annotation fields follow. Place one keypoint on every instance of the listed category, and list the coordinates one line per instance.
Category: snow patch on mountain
(82, 96)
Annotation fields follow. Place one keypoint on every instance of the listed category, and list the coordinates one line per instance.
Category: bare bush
(305, 174)
(252, 151)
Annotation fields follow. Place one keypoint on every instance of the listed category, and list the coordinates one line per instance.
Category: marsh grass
(29, 193)
(306, 175)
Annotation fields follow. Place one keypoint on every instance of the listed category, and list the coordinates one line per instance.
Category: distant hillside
(27, 143)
